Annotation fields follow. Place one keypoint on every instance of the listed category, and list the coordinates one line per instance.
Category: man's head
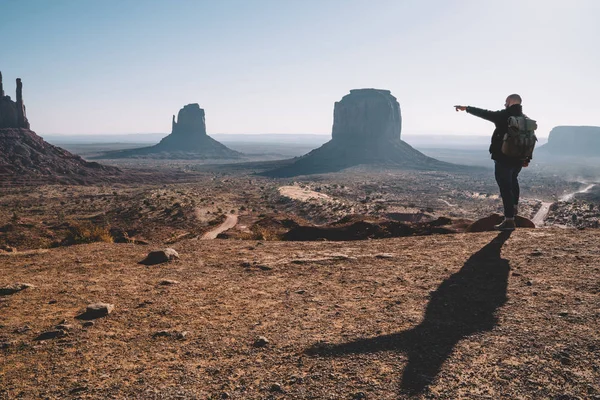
(512, 100)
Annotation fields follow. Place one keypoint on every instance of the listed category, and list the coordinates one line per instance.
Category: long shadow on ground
(462, 305)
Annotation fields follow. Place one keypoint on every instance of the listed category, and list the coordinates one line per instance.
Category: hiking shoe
(506, 225)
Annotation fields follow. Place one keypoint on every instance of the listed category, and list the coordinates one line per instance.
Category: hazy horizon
(268, 66)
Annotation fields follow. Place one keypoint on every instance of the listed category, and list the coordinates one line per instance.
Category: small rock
(160, 256)
(23, 329)
(181, 335)
(53, 334)
(167, 282)
(5, 345)
(88, 324)
(359, 395)
(17, 287)
(384, 255)
(53, 302)
(78, 389)
(96, 310)
(162, 334)
(276, 387)
(64, 327)
(264, 267)
(564, 313)
(536, 253)
(529, 283)
(8, 249)
(301, 291)
(516, 274)
(225, 395)
(261, 341)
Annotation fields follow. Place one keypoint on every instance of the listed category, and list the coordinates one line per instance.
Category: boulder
(160, 256)
(487, 224)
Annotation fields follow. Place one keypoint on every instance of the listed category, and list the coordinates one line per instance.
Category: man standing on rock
(506, 168)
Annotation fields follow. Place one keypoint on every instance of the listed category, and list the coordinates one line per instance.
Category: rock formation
(25, 158)
(188, 140)
(12, 115)
(367, 125)
(572, 141)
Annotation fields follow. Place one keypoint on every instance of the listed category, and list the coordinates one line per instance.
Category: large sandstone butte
(573, 141)
(25, 158)
(366, 131)
(188, 140)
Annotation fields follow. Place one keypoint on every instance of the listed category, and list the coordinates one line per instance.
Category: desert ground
(245, 313)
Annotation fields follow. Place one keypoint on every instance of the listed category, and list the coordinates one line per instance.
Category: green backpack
(520, 139)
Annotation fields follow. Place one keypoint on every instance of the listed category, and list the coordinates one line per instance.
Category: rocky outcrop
(25, 158)
(188, 140)
(12, 114)
(572, 141)
(366, 130)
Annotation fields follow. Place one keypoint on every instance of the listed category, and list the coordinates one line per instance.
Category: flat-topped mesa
(366, 131)
(367, 115)
(12, 114)
(190, 121)
(573, 141)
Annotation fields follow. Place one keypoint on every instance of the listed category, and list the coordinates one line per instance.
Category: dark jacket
(500, 119)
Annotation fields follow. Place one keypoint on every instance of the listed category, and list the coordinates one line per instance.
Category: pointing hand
(460, 108)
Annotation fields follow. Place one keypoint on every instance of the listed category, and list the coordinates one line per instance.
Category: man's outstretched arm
(492, 116)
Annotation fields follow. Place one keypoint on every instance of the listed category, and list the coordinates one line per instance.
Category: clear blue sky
(278, 66)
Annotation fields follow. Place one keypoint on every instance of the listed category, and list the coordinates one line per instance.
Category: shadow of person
(464, 304)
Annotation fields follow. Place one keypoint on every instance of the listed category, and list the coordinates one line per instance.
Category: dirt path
(230, 221)
(570, 196)
(540, 216)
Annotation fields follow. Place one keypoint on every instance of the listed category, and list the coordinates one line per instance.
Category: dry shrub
(86, 232)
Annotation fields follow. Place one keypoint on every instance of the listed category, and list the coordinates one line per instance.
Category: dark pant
(506, 177)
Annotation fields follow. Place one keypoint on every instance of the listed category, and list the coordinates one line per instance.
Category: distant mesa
(573, 141)
(25, 158)
(366, 131)
(188, 140)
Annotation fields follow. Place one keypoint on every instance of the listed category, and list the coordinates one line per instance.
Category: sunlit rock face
(367, 115)
(367, 125)
(572, 141)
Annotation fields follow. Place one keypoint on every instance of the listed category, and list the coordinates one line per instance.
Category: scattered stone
(162, 334)
(167, 282)
(529, 283)
(181, 335)
(88, 324)
(225, 395)
(276, 388)
(23, 329)
(96, 310)
(8, 249)
(52, 302)
(384, 255)
(564, 313)
(17, 287)
(53, 334)
(358, 396)
(264, 267)
(536, 253)
(301, 291)
(78, 389)
(516, 274)
(160, 256)
(261, 341)
(64, 327)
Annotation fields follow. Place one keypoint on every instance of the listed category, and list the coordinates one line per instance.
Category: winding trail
(539, 217)
(231, 220)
